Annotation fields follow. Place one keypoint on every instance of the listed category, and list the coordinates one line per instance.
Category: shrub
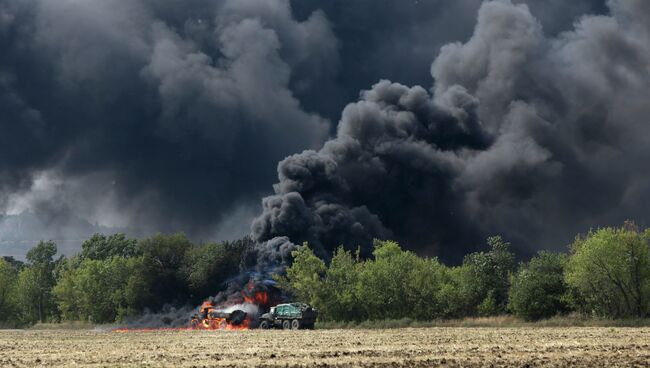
(538, 289)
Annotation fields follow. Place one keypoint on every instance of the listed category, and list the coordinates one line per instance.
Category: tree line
(113, 277)
(605, 274)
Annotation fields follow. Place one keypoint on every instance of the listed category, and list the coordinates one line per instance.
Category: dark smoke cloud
(532, 136)
(397, 40)
(172, 115)
(390, 169)
(182, 107)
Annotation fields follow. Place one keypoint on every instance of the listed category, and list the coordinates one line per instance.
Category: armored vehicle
(289, 316)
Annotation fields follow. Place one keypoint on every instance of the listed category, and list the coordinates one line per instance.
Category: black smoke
(260, 264)
(532, 136)
(171, 115)
(397, 40)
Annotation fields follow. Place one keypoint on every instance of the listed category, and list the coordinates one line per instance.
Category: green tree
(30, 296)
(16, 264)
(610, 269)
(339, 300)
(456, 293)
(486, 276)
(382, 281)
(101, 291)
(208, 266)
(424, 288)
(35, 283)
(398, 284)
(42, 253)
(66, 293)
(304, 276)
(100, 247)
(8, 283)
(162, 270)
(538, 289)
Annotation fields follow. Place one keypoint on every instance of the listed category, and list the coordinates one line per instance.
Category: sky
(433, 122)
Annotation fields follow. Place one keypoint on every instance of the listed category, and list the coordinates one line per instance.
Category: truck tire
(295, 324)
(286, 324)
(264, 325)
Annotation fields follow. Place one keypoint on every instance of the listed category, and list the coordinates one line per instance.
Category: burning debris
(210, 319)
(249, 295)
(239, 311)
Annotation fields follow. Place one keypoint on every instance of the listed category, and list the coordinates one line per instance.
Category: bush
(101, 291)
(8, 289)
(207, 267)
(610, 270)
(484, 279)
(102, 247)
(538, 289)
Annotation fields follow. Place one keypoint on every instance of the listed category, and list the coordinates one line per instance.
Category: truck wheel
(264, 325)
(295, 324)
(286, 324)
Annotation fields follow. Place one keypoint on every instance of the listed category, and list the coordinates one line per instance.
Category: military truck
(293, 316)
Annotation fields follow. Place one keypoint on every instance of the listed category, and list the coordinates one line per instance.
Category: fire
(238, 312)
(258, 298)
(214, 317)
(212, 323)
(149, 329)
(211, 317)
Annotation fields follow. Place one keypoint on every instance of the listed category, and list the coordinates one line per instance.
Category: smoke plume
(175, 111)
(172, 115)
(530, 136)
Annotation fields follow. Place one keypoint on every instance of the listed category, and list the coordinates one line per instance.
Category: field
(420, 347)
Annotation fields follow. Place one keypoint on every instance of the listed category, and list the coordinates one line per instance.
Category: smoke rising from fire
(172, 115)
(252, 291)
(182, 106)
(522, 134)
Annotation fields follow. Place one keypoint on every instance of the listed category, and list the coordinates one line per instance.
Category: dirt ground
(425, 347)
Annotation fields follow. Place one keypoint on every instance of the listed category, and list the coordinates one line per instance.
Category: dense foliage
(397, 284)
(538, 289)
(606, 274)
(113, 277)
(610, 270)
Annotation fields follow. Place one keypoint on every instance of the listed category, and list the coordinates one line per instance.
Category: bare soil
(422, 347)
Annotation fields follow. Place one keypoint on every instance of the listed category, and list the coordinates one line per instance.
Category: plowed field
(426, 347)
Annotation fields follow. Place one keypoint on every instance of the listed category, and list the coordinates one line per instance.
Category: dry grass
(492, 322)
(422, 347)
(71, 325)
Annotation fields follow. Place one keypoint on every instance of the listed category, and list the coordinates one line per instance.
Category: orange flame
(249, 295)
(211, 323)
(149, 329)
(258, 298)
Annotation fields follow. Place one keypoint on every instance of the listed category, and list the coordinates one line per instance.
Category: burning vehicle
(208, 318)
(239, 311)
(293, 316)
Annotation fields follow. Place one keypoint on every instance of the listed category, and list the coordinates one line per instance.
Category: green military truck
(293, 316)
